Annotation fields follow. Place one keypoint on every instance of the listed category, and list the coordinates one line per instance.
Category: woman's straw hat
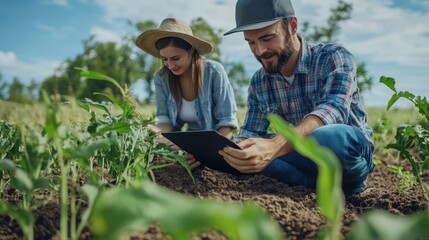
(171, 27)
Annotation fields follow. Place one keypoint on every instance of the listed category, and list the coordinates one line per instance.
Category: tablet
(204, 145)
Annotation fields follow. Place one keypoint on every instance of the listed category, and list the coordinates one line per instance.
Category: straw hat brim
(148, 39)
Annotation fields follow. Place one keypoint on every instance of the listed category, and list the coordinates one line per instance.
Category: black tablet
(204, 145)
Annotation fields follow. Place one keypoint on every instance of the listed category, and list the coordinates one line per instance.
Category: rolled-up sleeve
(225, 108)
(339, 84)
(162, 93)
(256, 122)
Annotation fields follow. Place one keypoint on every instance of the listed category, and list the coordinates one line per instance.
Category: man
(313, 87)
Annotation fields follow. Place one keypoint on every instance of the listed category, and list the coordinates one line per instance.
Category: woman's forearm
(226, 131)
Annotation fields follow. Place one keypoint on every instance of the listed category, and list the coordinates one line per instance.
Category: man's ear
(294, 24)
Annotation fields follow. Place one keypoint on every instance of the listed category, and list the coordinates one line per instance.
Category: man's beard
(283, 58)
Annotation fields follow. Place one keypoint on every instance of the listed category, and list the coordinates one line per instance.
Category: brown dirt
(294, 208)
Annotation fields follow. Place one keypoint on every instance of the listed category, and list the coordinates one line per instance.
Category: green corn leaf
(392, 101)
(24, 218)
(177, 215)
(88, 102)
(381, 225)
(330, 197)
(122, 127)
(407, 95)
(7, 165)
(88, 150)
(389, 82)
(22, 181)
(99, 76)
(114, 100)
(52, 123)
(92, 193)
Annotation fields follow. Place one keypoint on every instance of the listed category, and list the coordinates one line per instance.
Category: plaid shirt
(324, 85)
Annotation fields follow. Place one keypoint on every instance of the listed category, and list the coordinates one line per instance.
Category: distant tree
(239, 81)
(3, 88)
(203, 30)
(17, 92)
(327, 34)
(112, 60)
(235, 70)
(109, 58)
(66, 79)
(33, 90)
(147, 64)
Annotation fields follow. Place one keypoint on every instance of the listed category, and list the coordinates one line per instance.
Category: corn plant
(382, 131)
(408, 136)
(330, 197)
(178, 215)
(375, 225)
(23, 167)
(9, 145)
(26, 184)
(381, 225)
(72, 151)
(133, 156)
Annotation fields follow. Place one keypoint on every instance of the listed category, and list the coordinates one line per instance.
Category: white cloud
(382, 34)
(7, 59)
(375, 31)
(391, 41)
(105, 35)
(38, 69)
(219, 14)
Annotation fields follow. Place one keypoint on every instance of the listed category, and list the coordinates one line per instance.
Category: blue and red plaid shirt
(324, 85)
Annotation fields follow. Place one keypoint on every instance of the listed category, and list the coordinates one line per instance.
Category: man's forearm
(309, 124)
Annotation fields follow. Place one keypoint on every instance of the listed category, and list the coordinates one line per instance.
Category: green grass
(34, 114)
(396, 116)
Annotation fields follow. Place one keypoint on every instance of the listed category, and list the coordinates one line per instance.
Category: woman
(190, 89)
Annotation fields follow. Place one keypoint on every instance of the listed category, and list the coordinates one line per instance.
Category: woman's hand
(161, 139)
(192, 161)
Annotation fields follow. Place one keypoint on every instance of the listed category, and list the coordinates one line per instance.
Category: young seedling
(330, 197)
(408, 136)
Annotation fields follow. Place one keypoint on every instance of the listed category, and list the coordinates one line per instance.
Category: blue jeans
(349, 145)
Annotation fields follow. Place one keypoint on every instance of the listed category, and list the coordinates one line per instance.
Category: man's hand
(255, 155)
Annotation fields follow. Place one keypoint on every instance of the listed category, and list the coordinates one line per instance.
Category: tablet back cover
(204, 145)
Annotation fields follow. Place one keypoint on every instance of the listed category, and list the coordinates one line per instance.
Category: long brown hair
(196, 66)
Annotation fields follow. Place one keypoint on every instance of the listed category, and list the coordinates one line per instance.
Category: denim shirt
(324, 85)
(215, 105)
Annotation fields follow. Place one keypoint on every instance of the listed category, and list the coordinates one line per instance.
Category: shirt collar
(302, 65)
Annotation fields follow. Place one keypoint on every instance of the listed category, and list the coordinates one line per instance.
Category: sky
(390, 36)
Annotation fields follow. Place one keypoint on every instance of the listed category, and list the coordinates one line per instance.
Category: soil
(294, 208)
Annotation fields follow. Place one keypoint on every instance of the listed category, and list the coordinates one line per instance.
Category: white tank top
(187, 113)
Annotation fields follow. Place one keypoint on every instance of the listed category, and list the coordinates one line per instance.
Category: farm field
(293, 208)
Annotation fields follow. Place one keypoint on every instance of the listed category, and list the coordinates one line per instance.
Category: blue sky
(390, 36)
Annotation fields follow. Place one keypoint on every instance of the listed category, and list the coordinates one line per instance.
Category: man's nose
(259, 49)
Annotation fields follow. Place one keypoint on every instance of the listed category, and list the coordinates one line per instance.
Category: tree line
(128, 64)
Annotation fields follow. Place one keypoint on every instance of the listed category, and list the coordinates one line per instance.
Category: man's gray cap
(256, 14)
